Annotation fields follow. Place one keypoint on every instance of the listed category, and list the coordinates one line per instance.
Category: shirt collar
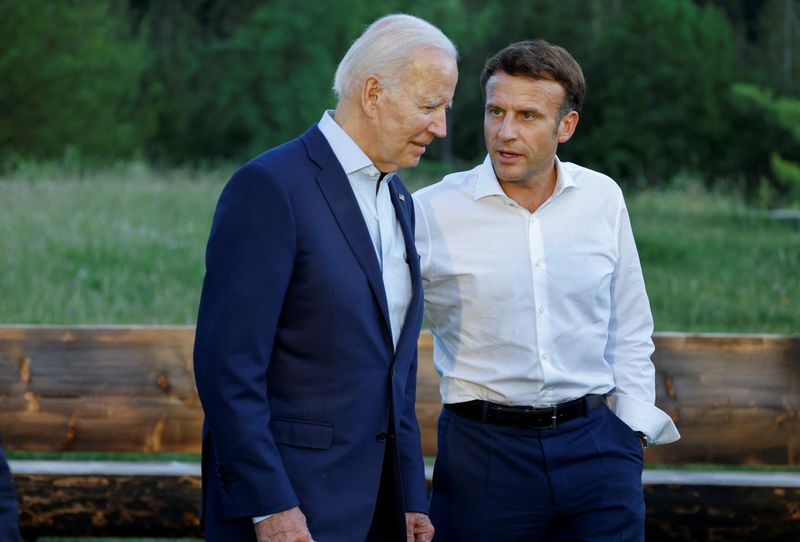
(488, 185)
(347, 152)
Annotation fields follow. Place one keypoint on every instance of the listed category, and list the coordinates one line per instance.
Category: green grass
(103, 456)
(125, 245)
(116, 248)
(712, 265)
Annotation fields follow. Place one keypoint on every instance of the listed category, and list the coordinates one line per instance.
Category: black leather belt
(525, 416)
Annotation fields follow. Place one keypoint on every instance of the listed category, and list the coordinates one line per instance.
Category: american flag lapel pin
(402, 197)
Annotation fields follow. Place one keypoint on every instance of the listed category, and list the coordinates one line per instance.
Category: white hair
(384, 50)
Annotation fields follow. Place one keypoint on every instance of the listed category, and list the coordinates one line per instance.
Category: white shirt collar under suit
(379, 217)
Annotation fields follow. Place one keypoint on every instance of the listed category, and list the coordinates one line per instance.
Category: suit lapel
(339, 195)
(402, 208)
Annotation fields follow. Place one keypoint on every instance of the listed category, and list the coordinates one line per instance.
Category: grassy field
(125, 246)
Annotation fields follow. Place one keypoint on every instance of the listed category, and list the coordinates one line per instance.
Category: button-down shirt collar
(486, 183)
(347, 152)
(374, 201)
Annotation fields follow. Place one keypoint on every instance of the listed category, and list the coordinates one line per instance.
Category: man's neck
(349, 122)
(531, 193)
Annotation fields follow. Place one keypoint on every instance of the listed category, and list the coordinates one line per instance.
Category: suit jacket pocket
(304, 434)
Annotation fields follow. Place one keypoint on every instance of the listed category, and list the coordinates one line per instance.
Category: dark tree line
(182, 81)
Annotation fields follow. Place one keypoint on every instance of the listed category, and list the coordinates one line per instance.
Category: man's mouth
(507, 154)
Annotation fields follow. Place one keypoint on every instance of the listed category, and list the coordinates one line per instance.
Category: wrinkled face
(521, 125)
(410, 114)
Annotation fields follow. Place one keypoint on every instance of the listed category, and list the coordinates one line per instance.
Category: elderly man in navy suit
(305, 356)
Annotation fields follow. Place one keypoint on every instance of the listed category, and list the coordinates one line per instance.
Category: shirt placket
(538, 266)
(386, 225)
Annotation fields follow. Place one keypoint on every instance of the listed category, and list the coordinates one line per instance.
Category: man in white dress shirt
(542, 326)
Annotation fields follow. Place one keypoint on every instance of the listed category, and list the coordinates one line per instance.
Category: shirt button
(544, 355)
(538, 263)
(541, 309)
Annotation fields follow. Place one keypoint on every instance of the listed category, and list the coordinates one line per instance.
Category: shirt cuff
(259, 519)
(645, 417)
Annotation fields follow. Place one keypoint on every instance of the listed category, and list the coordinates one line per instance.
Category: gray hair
(384, 50)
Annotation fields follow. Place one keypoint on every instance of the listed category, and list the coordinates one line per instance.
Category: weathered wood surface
(735, 398)
(687, 506)
(108, 505)
(722, 513)
(98, 389)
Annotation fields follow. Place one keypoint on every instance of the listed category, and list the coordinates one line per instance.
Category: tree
(655, 105)
(783, 112)
(70, 73)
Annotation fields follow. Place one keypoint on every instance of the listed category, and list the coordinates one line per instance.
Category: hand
(418, 527)
(287, 526)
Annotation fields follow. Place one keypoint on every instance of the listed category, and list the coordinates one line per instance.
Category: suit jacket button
(381, 437)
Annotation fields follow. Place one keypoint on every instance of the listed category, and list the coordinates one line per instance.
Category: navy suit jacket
(294, 359)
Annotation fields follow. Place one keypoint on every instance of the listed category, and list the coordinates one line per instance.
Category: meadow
(125, 244)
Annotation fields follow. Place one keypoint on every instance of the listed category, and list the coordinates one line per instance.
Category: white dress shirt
(375, 203)
(538, 308)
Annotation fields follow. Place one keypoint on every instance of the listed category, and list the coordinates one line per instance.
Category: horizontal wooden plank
(731, 514)
(103, 505)
(107, 504)
(104, 468)
(70, 388)
(735, 398)
(683, 477)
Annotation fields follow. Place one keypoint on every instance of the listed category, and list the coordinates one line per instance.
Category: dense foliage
(187, 81)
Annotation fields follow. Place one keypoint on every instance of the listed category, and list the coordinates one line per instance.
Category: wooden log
(723, 513)
(98, 389)
(108, 505)
(735, 398)
(62, 498)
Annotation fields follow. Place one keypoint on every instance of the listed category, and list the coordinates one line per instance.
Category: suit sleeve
(413, 467)
(249, 261)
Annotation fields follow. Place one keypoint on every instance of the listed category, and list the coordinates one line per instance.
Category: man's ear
(567, 126)
(371, 94)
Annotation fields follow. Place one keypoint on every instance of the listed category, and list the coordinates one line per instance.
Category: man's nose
(507, 129)
(439, 125)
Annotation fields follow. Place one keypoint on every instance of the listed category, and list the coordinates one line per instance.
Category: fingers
(287, 526)
(418, 527)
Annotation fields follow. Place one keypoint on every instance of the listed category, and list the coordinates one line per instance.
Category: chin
(411, 162)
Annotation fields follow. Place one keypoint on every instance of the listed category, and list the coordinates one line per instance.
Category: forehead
(519, 91)
(431, 72)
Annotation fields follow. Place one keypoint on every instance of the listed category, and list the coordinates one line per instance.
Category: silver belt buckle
(552, 424)
(553, 417)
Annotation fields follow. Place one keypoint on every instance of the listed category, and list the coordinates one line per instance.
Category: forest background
(120, 120)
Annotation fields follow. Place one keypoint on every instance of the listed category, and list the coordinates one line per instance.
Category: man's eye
(493, 111)
(528, 116)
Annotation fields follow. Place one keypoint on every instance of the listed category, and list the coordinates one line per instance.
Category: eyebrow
(437, 103)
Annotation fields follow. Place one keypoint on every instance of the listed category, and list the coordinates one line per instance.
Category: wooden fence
(131, 389)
